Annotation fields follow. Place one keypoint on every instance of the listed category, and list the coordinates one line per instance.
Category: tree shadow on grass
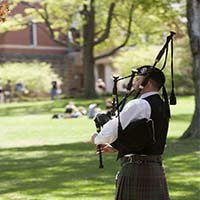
(38, 107)
(181, 117)
(26, 109)
(182, 165)
(65, 170)
(69, 171)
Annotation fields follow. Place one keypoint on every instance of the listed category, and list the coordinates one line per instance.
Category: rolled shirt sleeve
(134, 110)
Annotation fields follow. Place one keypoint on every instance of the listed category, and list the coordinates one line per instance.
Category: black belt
(141, 159)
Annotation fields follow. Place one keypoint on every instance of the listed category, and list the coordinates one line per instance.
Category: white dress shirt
(134, 110)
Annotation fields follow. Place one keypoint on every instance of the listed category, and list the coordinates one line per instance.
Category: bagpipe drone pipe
(126, 136)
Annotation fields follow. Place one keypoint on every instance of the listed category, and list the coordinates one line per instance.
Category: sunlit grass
(50, 159)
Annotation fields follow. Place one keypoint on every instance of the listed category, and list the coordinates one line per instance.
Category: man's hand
(106, 148)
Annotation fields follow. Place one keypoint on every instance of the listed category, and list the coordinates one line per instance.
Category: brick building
(33, 43)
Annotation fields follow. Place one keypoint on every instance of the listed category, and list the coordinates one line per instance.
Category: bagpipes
(117, 107)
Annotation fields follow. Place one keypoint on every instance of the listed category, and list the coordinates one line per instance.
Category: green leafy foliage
(134, 57)
(150, 19)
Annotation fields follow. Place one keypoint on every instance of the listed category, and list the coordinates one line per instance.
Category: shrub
(36, 76)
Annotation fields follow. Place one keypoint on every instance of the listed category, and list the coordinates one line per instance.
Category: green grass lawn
(50, 159)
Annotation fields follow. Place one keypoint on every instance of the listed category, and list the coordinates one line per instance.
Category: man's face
(137, 81)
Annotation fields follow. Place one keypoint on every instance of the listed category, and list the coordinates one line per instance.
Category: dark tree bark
(89, 42)
(193, 16)
(88, 48)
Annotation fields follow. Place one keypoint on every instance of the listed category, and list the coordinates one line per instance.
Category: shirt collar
(148, 94)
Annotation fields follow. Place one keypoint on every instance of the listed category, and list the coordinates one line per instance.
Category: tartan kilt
(141, 181)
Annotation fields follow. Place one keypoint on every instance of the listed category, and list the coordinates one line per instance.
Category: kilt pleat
(145, 181)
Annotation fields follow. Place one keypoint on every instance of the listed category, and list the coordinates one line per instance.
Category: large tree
(84, 26)
(193, 16)
(103, 25)
(89, 42)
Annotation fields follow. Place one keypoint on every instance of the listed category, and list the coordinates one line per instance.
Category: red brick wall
(20, 41)
(16, 46)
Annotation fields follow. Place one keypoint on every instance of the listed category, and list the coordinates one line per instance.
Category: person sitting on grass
(71, 111)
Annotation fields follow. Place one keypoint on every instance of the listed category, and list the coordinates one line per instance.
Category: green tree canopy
(104, 25)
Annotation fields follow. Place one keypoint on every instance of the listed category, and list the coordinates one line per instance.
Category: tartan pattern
(144, 181)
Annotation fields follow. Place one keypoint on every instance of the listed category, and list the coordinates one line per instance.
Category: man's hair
(155, 75)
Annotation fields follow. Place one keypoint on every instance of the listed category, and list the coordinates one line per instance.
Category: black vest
(144, 136)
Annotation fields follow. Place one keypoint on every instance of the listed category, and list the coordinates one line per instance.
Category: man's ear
(149, 83)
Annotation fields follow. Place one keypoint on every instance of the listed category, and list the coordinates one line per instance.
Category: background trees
(102, 26)
(107, 26)
(193, 16)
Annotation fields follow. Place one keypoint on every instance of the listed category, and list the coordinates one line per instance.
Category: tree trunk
(193, 16)
(88, 52)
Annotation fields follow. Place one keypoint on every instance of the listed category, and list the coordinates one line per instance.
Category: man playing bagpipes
(139, 134)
